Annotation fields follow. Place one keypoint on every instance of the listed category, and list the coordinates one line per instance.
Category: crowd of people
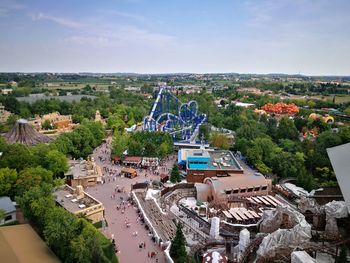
(122, 201)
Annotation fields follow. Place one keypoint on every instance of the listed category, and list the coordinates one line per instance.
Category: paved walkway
(127, 242)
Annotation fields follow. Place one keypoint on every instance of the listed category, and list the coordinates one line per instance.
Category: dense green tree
(134, 148)
(163, 150)
(8, 178)
(271, 126)
(175, 176)
(287, 130)
(317, 157)
(204, 132)
(59, 230)
(300, 123)
(36, 202)
(56, 162)
(344, 134)
(290, 146)
(251, 130)
(30, 177)
(242, 145)
(150, 149)
(178, 246)
(219, 140)
(120, 143)
(287, 164)
(17, 156)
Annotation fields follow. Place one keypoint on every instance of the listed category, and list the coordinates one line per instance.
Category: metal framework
(169, 114)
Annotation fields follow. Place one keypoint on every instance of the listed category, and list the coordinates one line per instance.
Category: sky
(310, 37)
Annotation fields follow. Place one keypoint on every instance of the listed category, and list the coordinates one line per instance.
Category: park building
(9, 210)
(224, 189)
(85, 173)
(77, 202)
(202, 163)
(219, 176)
(56, 121)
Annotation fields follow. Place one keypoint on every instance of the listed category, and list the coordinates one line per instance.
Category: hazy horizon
(305, 37)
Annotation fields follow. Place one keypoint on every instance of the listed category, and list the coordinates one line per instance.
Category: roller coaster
(169, 114)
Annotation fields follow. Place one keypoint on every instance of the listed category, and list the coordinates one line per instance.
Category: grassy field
(338, 98)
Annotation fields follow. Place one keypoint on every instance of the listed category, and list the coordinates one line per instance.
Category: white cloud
(124, 14)
(121, 36)
(66, 22)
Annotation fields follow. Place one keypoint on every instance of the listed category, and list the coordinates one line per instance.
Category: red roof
(116, 158)
(132, 159)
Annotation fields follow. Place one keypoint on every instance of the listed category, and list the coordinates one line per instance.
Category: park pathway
(125, 239)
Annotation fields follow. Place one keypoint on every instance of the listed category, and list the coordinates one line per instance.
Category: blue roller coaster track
(169, 114)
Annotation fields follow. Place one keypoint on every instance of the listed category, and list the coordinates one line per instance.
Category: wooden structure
(129, 172)
(132, 160)
(23, 133)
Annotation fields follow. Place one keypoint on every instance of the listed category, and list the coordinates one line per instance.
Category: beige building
(224, 188)
(76, 201)
(84, 173)
(4, 114)
(6, 91)
(57, 121)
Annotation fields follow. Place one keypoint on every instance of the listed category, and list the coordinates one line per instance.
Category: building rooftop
(73, 202)
(84, 169)
(132, 159)
(223, 160)
(7, 205)
(21, 244)
(237, 181)
(218, 159)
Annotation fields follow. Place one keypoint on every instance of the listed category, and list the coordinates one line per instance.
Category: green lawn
(338, 98)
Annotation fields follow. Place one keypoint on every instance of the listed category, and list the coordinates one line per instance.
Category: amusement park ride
(169, 114)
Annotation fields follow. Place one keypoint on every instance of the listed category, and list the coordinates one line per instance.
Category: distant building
(57, 121)
(243, 104)
(133, 89)
(6, 91)
(4, 114)
(76, 201)
(132, 160)
(21, 244)
(234, 185)
(9, 209)
(203, 163)
(84, 173)
(250, 90)
(13, 83)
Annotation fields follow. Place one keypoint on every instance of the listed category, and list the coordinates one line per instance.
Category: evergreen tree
(175, 175)
(178, 249)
